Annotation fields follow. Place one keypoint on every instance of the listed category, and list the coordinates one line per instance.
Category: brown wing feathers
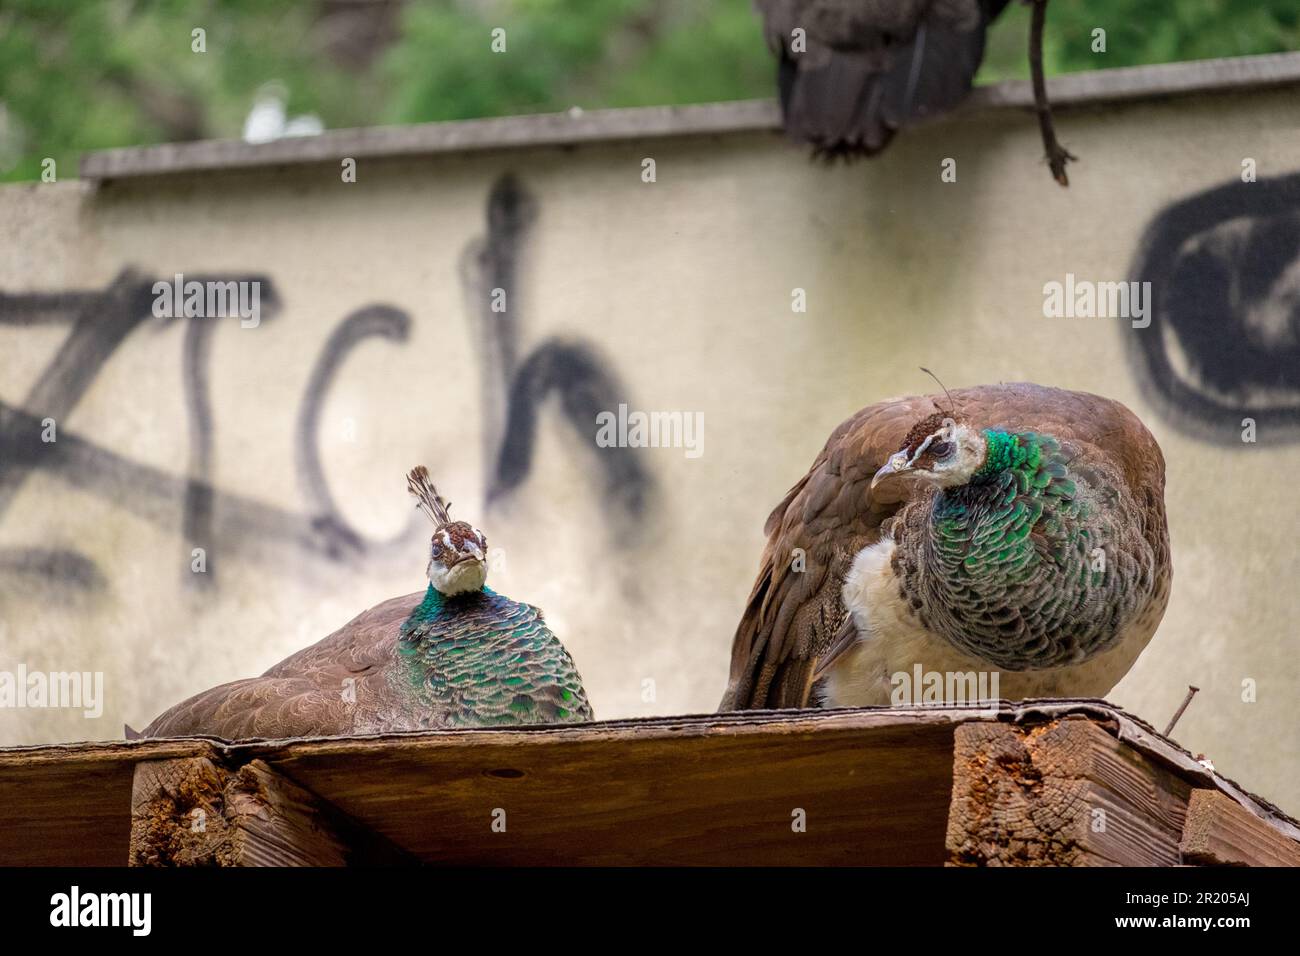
(795, 608)
(324, 689)
(256, 707)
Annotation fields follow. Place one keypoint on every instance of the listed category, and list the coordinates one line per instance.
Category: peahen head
(941, 449)
(458, 551)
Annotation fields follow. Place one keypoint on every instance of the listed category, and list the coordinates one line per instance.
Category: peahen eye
(941, 449)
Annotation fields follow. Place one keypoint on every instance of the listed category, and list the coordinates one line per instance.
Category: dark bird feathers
(867, 68)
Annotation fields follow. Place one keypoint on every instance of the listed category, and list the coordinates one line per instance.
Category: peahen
(456, 655)
(1009, 529)
(854, 72)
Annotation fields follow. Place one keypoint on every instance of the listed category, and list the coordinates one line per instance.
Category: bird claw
(1056, 158)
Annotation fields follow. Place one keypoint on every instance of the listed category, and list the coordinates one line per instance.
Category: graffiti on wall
(101, 322)
(227, 525)
(1224, 267)
(515, 387)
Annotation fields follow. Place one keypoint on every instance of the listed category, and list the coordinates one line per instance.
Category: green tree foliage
(1140, 32)
(92, 74)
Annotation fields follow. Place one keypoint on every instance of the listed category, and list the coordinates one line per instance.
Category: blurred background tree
(91, 74)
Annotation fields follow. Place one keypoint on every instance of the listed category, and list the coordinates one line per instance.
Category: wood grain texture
(1221, 832)
(876, 785)
(70, 805)
(1066, 793)
(874, 795)
(194, 811)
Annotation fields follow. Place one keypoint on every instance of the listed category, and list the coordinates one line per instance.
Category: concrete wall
(377, 350)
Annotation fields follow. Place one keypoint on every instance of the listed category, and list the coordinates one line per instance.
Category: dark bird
(1009, 529)
(455, 655)
(852, 73)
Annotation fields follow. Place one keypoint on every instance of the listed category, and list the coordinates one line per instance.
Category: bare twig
(1057, 155)
(1191, 692)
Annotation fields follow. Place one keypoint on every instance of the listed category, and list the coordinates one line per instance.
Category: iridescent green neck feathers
(1025, 565)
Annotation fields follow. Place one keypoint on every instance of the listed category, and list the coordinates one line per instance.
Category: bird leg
(1057, 155)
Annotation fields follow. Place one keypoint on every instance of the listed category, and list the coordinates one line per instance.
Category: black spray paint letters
(224, 524)
(570, 368)
(1224, 345)
(221, 524)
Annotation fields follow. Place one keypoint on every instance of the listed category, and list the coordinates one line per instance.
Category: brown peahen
(454, 655)
(1009, 529)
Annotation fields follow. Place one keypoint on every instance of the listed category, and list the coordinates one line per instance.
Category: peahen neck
(995, 564)
(1008, 451)
(981, 529)
(437, 605)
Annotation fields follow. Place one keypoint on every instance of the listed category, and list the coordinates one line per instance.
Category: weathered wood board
(71, 805)
(1040, 783)
(793, 792)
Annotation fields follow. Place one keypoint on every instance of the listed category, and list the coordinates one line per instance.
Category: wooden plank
(1221, 832)
(71, 805)
(78, 797)
(1065, 793)
(874, 785)
(732, 795)
(196, 812)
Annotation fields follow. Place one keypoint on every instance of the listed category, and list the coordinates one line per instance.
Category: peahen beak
(897, 465)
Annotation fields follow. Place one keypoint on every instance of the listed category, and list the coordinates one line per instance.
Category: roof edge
(577, 126)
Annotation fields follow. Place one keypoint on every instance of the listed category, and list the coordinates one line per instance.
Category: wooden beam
(195, 812)
(836, 788)
(1059, 781)
(70, 804)
(1065, 793)
(1221, 832)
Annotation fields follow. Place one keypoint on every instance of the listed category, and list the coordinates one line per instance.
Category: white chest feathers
(890, 636)
(896, 661)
